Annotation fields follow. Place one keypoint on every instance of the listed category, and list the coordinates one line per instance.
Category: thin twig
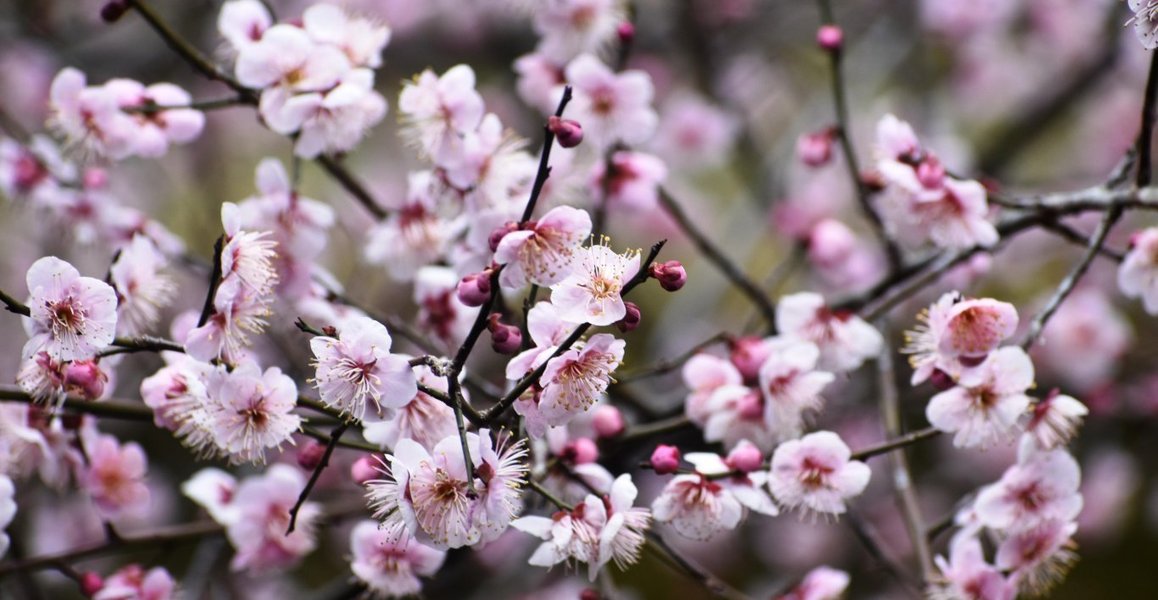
(900, 441)
(208, 309)
(667, 366)
(544, 170)
(335, 436)
(161, 536)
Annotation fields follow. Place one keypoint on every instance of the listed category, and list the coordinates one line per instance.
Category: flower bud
(671, 275)
(85, 378)
(505, 339)
(665, 459)
(745, 458)
(626, 32)
(568, 132)
(95, 178)
(590, 594)
(830, 37)
(748, 355)
(114, 10)
(499, 233)
(475, 289)
(91, 583)
(815, 149)
(931, 173)
(581, 451)
(873, 180)
(310, 455)
(608, 421)
(830, 243)
(363, 470)
(941, 380)
(630, 320)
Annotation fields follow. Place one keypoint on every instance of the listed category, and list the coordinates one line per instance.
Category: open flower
(967, 575)
(142, 286)
(985, 406)
(956, 334)
(391, 567)
(1138, 275)
(575, 380)
(1055, 420)
(249, 412)
(844, 339)
(542, 253)
(256, 525)
(423, 418)
(791, 385)
(1042, 486)
(703, 374)
(814, 473)
(437, 109)
(611, 106)
(713, 499)
(115, 477)
(73, 317)
(592, 293)
(358, 368)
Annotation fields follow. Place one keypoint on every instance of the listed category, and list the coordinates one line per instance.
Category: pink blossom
(791, 384)
(115, 477)
(821, 583)
(1138, 275)
(703, 374)
(1055, 420)
(423, 418)
(440, 312)
(89, 118)
(634, 182)
(985, 406)
(547, 332)
(214, 490)
(489, 167)
(249, 412)
(328, 122)
(358, 367)
(243, 22)
(695, 133)
(133, 582)
(142, 287)
(36, 171)
(1084, 343)
(1039, 556)
(362, 40)
(737, 412)
(967, 575)
(568, 28)
(844, 339)
(713, 499)
(596, 531)
(538, 83)
(256, 526)
(414, 234)
(72, 317)
(1145, 22)
(238, 311)
(611, 106)
(577, 378)
(956, 334)
(286, 57)
(591, 293)
(436, 109)
(390, 567)
(814, 473)
(1041, 486)
(542, 252)
(896, 140)
(247, 255)
(155, 129)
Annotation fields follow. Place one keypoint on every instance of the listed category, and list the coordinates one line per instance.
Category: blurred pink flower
(115, 477)
(391, 567)
(814, 473)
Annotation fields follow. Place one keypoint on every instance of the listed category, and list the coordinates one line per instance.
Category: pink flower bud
(931, 173)
(475, 289)
(630, 320)
(310, 455)
(112, 11)
(95, 178)
(626, 32)
(750, 405)
(748, 354)
(745, 458)
(363, 470)
(499, 233)
(568, 131)
(505, 339)
(830, 243)
(830, 38)
(581, 451)
(941, 380)
(815, 149)
(665, 459)
(671, 275)
(85, 378)
(91, 583)
(608, 421)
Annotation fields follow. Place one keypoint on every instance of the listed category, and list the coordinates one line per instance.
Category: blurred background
(1025, 95)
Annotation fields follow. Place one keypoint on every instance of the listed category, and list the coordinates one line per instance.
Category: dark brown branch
(208, 309)
(887, 446)
(158, 537)
(667, 366)
(544, 159)
(335, 436)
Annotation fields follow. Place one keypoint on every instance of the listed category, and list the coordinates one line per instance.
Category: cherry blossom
(611, 106)
(695, 133)
(247, 255)
(956, 335)
(1138, 275)
(35, 171)
(72, 317)
(845, 341)
(358, 368)
(985, 407)
(814, 473)
(577, 378)
(737, 412)
(543, 251)
(592, 292)
(115, 477)
(390, 567)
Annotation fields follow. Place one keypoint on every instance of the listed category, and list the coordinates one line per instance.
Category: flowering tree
(213, 398)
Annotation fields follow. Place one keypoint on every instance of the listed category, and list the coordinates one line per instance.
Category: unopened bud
(499, 233)
(745, 458)
(113, 11)
(505, 339)
(665, 460)
(608, 421)
(941, 380)
(363, 470)
(475, 289)
(626, 32)
(568, 132)
(931, 173)
(85, 378)
(90, 583)
(830, 37)
(581, 451)
(310, 455)
(631, 319)
(671, 275)
(815, 149)
(873, 180)
(95, 178)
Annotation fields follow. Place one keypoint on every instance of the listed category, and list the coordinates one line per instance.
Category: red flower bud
(310, 455)
(608, 421)
(363, 470)
(505, 339)
(499, 233)
(830, 38)
(568, 132)
(626, 32)
(475, 289)
(671, 275)
(91, 583)
(113, 11)
(665, 459)
(630, 320)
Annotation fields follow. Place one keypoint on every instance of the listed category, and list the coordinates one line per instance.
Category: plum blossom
(790, 385)
(956, 335)
(46, 379)
(1145, 22)
(967, 575)
(428, 495)
(243, 22)
(695, 133)
(362, 40)
(570, 27)
(633, 184)
(542, 252)
(490, 169)
(330, 122)
(985, 406)
(214, 490)
(89, 118)
(72, 317)
(414, 234)
(143, 288)
(592, 292)
(423, 418)
(247, 255)
(539, 79)
(286, 57)
(1041, 486)
(714, 498)
(256, 524)
(576, 379)
(249, 412)
(115, 477)
(1039, 556)
(737, 412)
(821, 583)
(1055, 420)
(440, 312)
(358, 368)
(238, 311)
(611, 106)
(133, 582)
(389, 567)
(597, 531)
(703, 374)
(547, 331)
(156, 128)
(1138, 275)
(814, 473)
(844, 339)
(35, 171)
(1084, 343)
(437, 110)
